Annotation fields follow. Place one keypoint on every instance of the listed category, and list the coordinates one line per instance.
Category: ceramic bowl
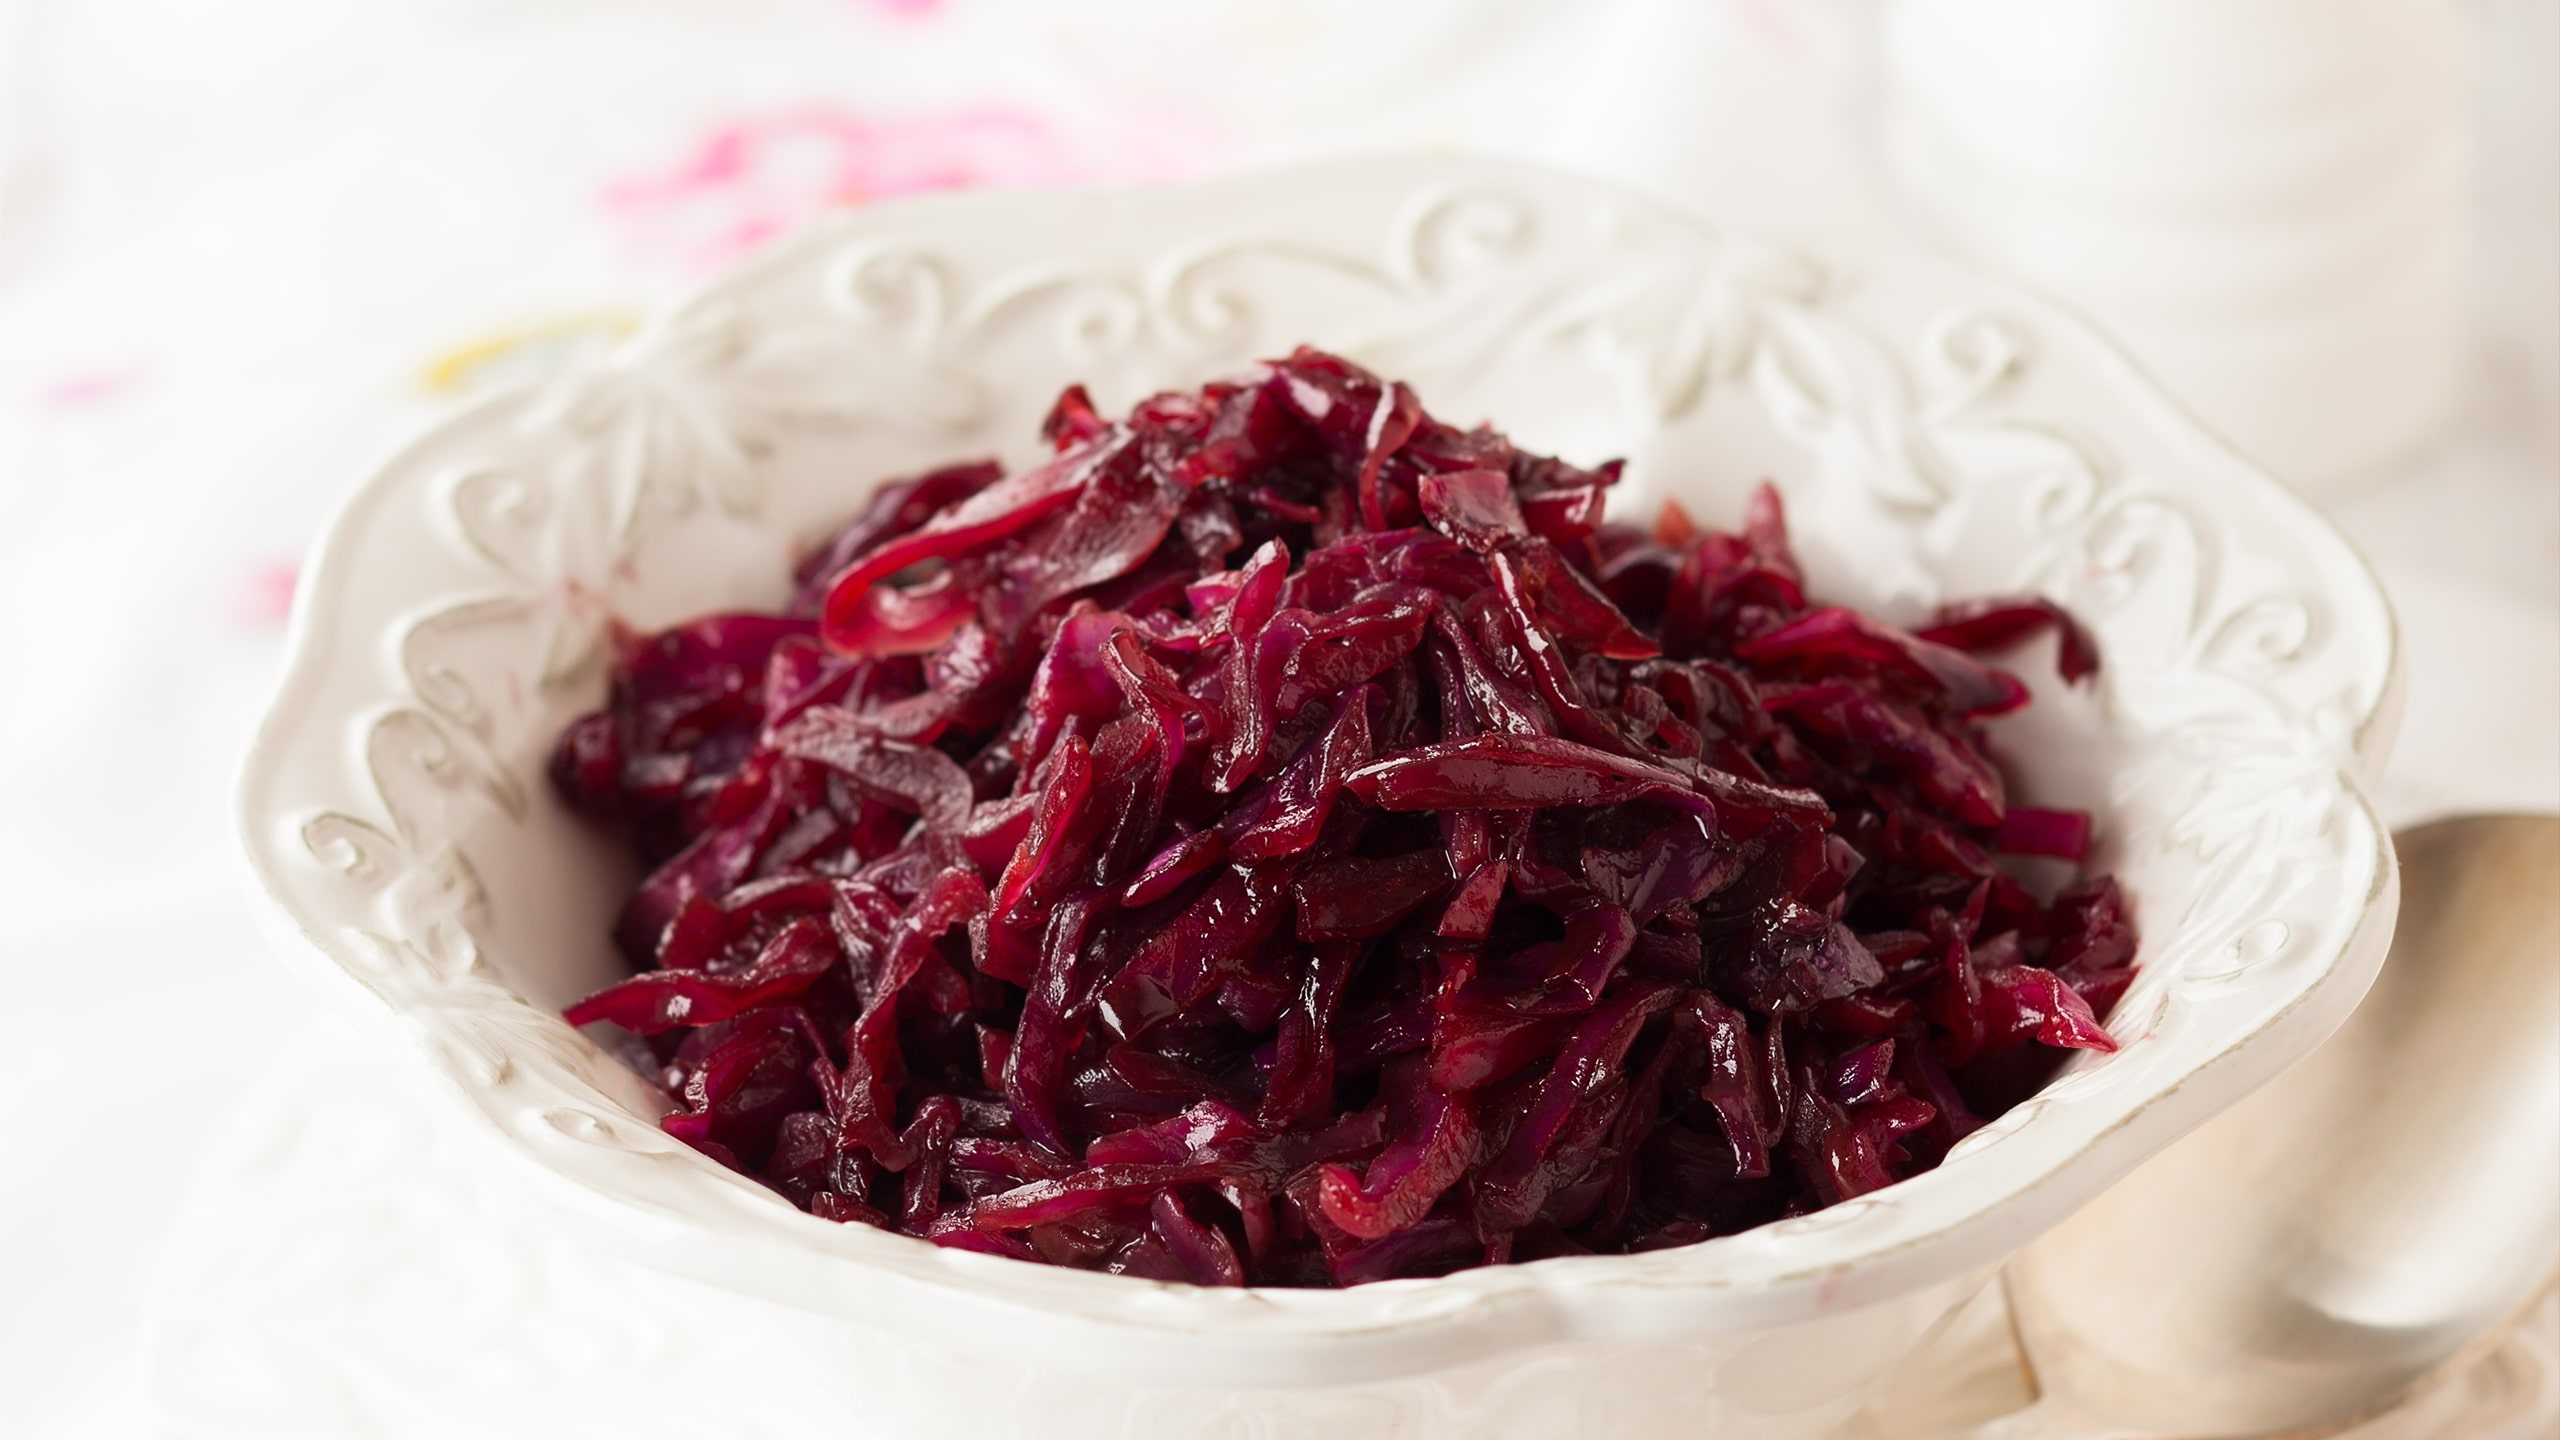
(1936, 434)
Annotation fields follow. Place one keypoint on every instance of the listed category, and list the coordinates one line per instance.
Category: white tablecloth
(246, 247)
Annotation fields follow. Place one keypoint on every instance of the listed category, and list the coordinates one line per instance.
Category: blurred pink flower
(750, 180)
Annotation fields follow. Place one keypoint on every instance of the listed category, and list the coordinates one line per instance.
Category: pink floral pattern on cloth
(89, 389)
(749, 180)
(265, 598)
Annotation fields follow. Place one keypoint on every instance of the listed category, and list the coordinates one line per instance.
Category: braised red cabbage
(1283, 839)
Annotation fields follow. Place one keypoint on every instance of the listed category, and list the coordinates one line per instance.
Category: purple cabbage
(1283, 839)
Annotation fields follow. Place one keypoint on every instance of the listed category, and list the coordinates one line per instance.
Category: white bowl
(1936, 435)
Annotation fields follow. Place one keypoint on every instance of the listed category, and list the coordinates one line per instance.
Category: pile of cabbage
(1283, 839)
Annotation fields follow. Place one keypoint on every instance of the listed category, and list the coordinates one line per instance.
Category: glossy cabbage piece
(1283, 839)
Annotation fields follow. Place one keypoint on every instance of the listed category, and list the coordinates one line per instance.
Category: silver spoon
(2303, 1260)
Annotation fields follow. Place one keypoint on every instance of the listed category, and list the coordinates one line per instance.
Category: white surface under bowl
(1936, 435)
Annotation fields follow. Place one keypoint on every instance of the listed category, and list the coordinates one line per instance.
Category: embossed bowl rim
(670, 1207)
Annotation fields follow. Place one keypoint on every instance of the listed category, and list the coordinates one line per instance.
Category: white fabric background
(236, 238)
